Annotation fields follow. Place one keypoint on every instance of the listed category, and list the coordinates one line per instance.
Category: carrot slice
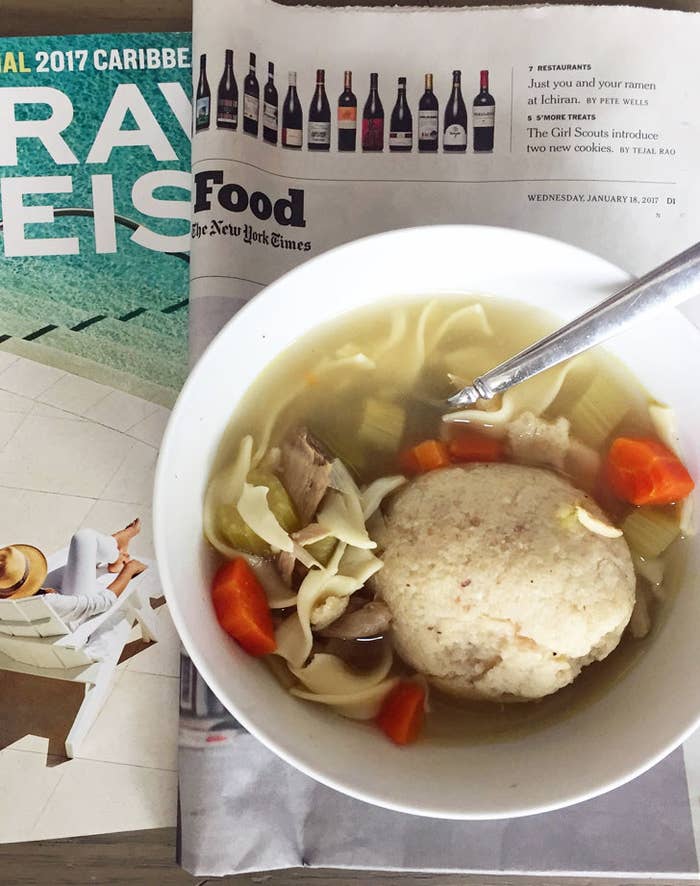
(643, 471)
(426, 456)
(402, 713)
(470, 445)
(241, 607)
(408, 462)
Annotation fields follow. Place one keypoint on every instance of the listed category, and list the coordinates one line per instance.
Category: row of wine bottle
(318, 137)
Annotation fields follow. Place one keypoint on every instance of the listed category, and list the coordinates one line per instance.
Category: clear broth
(329, 405)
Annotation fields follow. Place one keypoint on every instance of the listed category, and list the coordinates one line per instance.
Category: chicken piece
(537, 441)
(284, 563)
(371, 620)
(310, 534)
(583, 465)
(305, 471)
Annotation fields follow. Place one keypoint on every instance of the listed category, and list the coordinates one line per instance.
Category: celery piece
(665, 424)
(597, 413)
(649, 531)
(238, 534)
(382, 424)
(343, 446)
(323, 550)
(278, 499)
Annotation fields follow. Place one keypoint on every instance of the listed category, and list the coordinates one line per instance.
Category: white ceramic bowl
(635, 724)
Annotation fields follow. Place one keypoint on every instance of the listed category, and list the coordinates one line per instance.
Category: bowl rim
(267, 738)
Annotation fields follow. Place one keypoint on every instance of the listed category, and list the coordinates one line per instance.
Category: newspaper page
(315, 126)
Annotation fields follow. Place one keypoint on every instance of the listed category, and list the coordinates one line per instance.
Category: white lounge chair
(34, 640)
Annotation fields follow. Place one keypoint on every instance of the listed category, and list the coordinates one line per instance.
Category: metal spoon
(671, 283)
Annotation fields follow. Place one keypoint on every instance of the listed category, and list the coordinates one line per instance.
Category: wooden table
(147, 857)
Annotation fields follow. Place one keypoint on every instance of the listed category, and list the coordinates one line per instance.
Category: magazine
(316, 126)
(94, 190)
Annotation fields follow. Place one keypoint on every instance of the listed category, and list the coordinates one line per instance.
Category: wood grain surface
(146, 858)
(27, 17)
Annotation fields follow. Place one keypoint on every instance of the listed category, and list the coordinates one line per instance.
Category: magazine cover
(94, 189)
(550, 120)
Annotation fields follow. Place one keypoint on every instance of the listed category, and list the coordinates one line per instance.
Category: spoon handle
(671, 283)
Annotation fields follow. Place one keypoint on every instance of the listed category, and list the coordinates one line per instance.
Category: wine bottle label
(484, 115)
(427, 125)
(347, 118)
(373, 134)
(251, 107)
(319, 133)
(269, 115)
(455, 136)
(400, 139)
(291, 138)
(226, 110)
(202, 110)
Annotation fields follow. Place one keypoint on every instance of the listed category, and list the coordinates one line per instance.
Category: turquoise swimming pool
(125, 312)
(118, 317)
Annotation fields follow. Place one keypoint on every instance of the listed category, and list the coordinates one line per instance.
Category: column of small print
(318, 135)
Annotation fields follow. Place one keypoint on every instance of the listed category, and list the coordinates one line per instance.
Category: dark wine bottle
(202, 114)
(484, 116)
(347, 116)
(292, 116)
(373, 118)
(319, 136)
(270, 107)
(455, 133)
(227, 96)
(428, 122)
(251, 100)
(401, 124)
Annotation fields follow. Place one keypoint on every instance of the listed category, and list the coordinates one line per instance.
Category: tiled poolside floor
(75, 453)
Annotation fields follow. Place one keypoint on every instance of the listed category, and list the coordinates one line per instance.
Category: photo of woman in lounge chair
(72, 590)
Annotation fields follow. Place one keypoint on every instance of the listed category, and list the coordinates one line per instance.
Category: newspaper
(528, 118)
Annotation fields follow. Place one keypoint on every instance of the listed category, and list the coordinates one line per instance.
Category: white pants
(88, 550)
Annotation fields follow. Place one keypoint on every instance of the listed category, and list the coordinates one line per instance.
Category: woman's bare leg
(129, 570)
(119, 563)
(124, 536)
